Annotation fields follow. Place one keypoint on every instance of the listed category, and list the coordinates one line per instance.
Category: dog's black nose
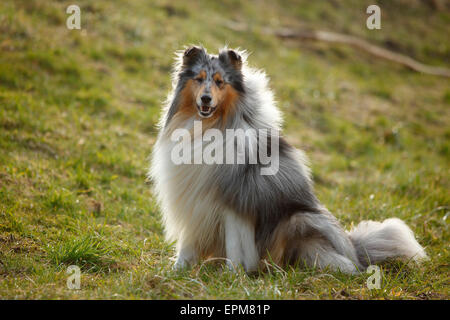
(206, 98)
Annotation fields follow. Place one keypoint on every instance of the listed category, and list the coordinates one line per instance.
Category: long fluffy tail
(377, 241)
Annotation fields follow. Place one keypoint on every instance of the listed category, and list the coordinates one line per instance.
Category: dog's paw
(231, 266)
(237, 266)
(180, 264)
(234, 266)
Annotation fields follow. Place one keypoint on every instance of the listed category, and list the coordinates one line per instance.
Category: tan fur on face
(187, 101)
(224, 96)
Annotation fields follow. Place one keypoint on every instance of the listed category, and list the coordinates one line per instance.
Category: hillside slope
(78, 110)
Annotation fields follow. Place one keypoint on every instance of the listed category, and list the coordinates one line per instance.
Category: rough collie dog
(232, 210)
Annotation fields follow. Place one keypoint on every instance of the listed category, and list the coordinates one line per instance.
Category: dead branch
(332, 37)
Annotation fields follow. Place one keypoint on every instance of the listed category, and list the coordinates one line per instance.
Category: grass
(78, 110)
(86, 251)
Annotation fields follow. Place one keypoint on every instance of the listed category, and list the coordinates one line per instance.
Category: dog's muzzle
(205, 111)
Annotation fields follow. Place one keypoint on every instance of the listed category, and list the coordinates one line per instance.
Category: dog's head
(211, 83)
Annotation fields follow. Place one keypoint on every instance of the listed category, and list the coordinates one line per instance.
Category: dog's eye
(199, 80)
(219, 83)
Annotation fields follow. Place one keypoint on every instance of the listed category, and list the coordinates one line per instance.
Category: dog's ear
(191, 54)
(235, 59)
(231, 57)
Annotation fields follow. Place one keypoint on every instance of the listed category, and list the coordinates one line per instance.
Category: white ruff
(191, 213)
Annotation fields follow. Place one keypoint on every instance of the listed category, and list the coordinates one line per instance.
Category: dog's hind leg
(325, 225)
(240, 246)
(316, 239)
(317, 252)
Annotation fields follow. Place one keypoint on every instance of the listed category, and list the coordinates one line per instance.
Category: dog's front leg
(240, 243)
(186, 256)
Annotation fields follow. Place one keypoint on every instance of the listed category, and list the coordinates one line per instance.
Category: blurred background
(78, 110)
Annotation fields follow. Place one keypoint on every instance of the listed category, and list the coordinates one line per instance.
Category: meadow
(78, 115)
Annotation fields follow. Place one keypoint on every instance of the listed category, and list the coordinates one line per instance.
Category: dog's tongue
(205, 108)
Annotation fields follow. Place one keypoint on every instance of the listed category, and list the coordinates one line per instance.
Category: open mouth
(205, 111)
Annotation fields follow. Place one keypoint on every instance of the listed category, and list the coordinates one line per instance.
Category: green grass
(78, 110)
(85, 251)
